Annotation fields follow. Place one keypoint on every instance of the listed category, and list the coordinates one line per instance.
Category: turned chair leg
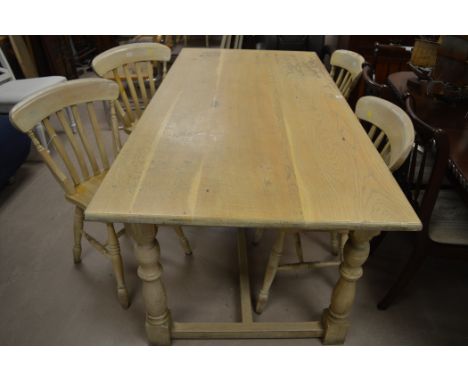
(113, 249)
(78, 222)
(413, 265)
(298, 245)
(183, 240)
(257, 236)
(270, 273)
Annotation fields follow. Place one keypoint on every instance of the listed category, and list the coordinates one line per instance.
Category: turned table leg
(270, 273)
(158, 318)
(335, 318)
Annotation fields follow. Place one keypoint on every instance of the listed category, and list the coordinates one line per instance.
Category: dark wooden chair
(442, 210)
(371, 86)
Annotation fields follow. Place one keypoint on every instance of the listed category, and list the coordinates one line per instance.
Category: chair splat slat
(133, 92)
(379, 139)
(85, 141)
(141, 83)
(149, 67)
(117, 143)
(123, 95)
(58, 145)
(58, 174)
(98, 135)
(74, 143)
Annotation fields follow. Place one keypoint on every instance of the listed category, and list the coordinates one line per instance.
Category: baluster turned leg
(158, 318)
(270, 273)
(78, 221)
(183, 240)
(335, 318)
(113, 249)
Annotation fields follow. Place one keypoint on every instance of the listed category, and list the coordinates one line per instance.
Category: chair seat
(86, 190)
(14, 91)
(449, 221)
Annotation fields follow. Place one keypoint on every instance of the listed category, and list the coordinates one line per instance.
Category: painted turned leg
(78, 221)
(335, 318)
(257, 235)
(183, 240)
(270, 273)
(158, 318)
(113, 249)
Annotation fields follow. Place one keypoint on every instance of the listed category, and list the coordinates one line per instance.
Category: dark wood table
(451, 117)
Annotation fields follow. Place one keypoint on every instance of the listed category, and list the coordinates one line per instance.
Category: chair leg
(270, 273)
(413, 265)
(183, 240)
(72, 120)
(257, 236)
(78, 221)
(113, 249)
(298, 245)
(335, 243)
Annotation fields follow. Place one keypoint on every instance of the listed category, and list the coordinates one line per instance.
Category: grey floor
(47, 300)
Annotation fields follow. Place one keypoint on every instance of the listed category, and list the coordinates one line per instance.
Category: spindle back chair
(132, 66)
(79, 174)
(392, 134)
(346, 69)
(391, 129)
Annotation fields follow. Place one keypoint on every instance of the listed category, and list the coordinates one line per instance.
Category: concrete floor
(47, 300)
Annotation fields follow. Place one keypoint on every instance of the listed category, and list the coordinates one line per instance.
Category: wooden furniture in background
(250, 138)
(13, 91)
(439, 114)
(346, 69)
(392, 133)
(443, 212)
(372, 87)
(132, 66)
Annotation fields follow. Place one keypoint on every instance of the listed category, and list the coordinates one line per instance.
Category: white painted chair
(392, 133)
(132, 66)
(227, 42)
(13, 91)
(346, 69)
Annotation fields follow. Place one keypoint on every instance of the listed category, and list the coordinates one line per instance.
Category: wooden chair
(346, 69)
(442, 211)
(371, 86)
(228, 43)
(81, 174)
(142, 65)
(392, 133)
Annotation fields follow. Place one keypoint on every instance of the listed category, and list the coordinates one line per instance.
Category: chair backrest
(346, 69)
(372, 87)
(391, 129)
(389, 59)
(48, 107)
(144, 64)
(428, 163)
(228, 42)
(6, 74)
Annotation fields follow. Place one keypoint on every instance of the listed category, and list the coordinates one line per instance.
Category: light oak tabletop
(251, 138)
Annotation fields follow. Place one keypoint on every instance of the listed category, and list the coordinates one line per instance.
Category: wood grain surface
(251, 138)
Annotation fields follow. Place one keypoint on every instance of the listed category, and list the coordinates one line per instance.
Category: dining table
(441, 113)
(250, 139)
